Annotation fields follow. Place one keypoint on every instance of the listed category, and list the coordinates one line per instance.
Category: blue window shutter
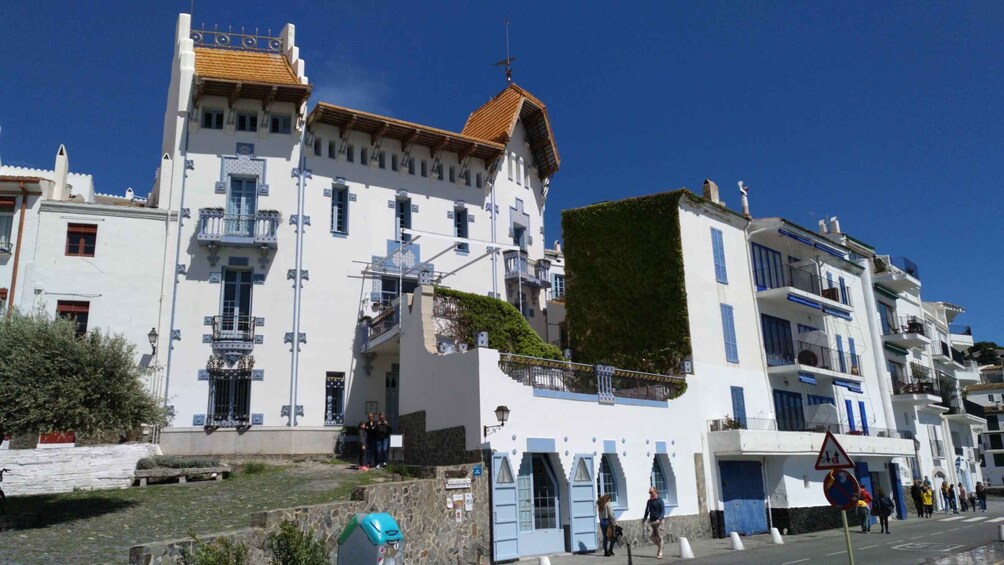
(854, 355)
(864, 417)
(739, 406)
(843, 291)
(829, 280)
(840, 354)
(718, 249)
(729, 331)
(850, 413)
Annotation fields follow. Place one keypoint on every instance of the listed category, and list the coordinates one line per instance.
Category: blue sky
(888, 115)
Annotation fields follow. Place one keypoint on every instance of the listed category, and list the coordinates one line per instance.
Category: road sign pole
(847, 537)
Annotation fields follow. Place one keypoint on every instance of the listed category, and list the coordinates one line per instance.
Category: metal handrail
(566, 376)
(815, 356)
(781, 276)
(234, 328)
(801, 425)
(905, 325)
(386, 320)
(517, 263)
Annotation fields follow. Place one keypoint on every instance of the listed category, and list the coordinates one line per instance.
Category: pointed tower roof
(496, 119)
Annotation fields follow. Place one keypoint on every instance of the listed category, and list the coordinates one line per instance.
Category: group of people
(952, 497)
(374, 442)
(881, 506)
(655, 513)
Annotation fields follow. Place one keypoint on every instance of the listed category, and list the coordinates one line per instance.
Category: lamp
(153, 335)
(502, 413)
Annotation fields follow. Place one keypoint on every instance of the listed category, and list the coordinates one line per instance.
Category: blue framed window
(334, 398)
(815, 399)
(739, 406)
(864, 416)
(729, 332)
(790, 415)
(829, 280)
(840, 354)
(402, 218)
(557, 286)
(777, 341)
(460, 227)
(843, 291)
(281, 123)
(768, 267)
(718, 250)
(849, 405)
(247, 121)
(606, 480)
(340, 210)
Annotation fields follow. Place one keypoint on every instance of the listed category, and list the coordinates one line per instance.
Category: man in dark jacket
(382, 439)
(655, 511)
(917, 501)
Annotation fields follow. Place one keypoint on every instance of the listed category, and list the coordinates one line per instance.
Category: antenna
(508, 61)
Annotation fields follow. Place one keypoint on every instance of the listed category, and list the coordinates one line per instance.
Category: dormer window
(281, 124)
(247, 121)
(212, 119)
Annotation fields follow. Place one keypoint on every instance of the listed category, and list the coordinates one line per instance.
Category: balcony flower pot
(806, 357)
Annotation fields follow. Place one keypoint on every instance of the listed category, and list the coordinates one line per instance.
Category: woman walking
(883, 507)
(963, 501)
(927, 497)
(607, 524)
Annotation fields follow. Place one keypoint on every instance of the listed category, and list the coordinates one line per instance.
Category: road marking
(952, 519)
(977, 519)
(917, 537)
(995, 520)
(793, 562)
(953, 529)
(835, 553)
(869, 547)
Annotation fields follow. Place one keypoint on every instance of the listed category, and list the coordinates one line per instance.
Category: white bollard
(685, 551)
(775, 537)
(544, 561)
(1000, 532)
(737, 544)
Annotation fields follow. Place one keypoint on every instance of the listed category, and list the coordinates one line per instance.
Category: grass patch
(175, 462)
(255, 468)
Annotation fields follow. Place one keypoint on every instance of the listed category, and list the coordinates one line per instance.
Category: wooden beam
(266, 102)
(200, 87)
(347, 128)
(379, 133)
(234, 94)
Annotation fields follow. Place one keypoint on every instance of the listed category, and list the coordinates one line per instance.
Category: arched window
(606, 480)
(663, 479)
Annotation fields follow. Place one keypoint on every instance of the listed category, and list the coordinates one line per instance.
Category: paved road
(911, 542)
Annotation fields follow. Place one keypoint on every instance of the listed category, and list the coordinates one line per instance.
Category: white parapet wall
(68, 469)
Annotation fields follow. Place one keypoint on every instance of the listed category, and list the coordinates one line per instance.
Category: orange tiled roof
(244, 66)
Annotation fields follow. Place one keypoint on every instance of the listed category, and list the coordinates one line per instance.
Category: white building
(76, 253)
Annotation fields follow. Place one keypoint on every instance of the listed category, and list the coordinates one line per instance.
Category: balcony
(234, 332)
(794, 285)
(970, 371)
(897, 273)
(518, 267)
(906, 332)
(812, 358)
(940, 352)
(764, 437)
(6, 249)
(383, 327)
(919, 390)
(962, 336)
(237, 230)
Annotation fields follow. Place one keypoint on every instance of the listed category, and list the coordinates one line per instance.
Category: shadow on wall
(33, 512)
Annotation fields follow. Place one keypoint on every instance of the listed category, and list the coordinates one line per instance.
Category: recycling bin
(371, 539)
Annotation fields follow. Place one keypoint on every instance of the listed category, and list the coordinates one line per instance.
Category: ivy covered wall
(625, 295)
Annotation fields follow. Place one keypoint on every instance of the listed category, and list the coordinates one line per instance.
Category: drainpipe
(871, 314)
(294, 376)
(17, 250)
(495, 288)
(177, 260)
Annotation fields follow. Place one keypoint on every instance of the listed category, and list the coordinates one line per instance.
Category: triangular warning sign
(832, 456)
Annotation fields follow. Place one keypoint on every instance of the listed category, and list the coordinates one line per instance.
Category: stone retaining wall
(431, 531)
(66, 469)
(437, 447)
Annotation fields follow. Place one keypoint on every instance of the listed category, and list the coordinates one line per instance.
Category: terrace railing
(813, 355)
(801, 425)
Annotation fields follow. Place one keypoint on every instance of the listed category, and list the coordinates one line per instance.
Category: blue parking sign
(477, 470)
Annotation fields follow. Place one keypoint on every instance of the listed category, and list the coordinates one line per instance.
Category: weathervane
(508, 61)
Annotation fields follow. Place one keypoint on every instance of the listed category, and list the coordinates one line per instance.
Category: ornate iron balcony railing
(219, 228)
(533, 273)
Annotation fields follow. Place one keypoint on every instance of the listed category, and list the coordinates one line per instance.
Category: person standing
(864, 510)
(655, 511)
(371, 443)
(383, 432)
(883, 507)
(972, 499)
(981, 495)
(944, 496)
(951, 499)
(607, 524)
(917, 500)
(963, 502)
(363, 445)
(927, 497)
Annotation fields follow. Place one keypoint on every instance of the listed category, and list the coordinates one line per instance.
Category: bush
(175, 462)
(254, 468)
(221, 551)
(292, 545)
(508, 331)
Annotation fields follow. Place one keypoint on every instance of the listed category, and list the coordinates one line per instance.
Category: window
(235, 322)
(998, 459)
(729, 332)
(460, 227)
(663, 480)
(841, 360)
(864, 416)
(777, 341)
(364, 156)
(886, 317)
(511, 162)
(558, 286)
(479, 181)
(526, 176)
(453, 174)
(439, 171)
(247, 121)
(843, 291)
(849, 407)
(768, 267)
(402, 219)
(996, 442)
(389, 289)
(350, 154)
(425, 168)
(718, 251)
(393, 162)
(212, 119)
(334, 398)
(317, 146)
(537, 492)
(76, 311)
(382, 159)
(229, 398)
(411, 166)
(340, 210)
(332, 149)
(81, 240)
(6, 223)
(992, 422)
(281, 124)
(519, 172)
(523, 305)
(788, 407)
(813, 400)
(854, 356)
(606, 482)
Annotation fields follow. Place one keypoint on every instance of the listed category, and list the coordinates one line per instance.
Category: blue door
(743, 495)
(739, 406)
(897, 491)
(583, 504)
(865, 480)
(505, 528)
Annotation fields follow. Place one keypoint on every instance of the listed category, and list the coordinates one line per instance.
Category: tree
(52, 380)
(984, 353)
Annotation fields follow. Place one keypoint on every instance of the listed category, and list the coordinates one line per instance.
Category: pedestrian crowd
(953, 497)
(374, 442)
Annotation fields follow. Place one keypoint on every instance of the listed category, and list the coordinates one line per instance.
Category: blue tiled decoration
(352, 197)
(203, 374)
(259, 339)
(245, 149)
(199, 420)
(449, 214)
(257, 374)
(391, 204)
(207, 338)
(470, 218)
(327, 193)
(414, 208)
(186, 213)
(176, 335)
(207, 320)
(257, 419)
(216, 277)
(221, 187)
(263, 189)
(259, 321)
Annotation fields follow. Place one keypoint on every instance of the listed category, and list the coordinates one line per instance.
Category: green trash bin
(371, 539)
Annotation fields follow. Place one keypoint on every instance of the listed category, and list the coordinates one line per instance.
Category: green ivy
(507, 330)
(625, 293)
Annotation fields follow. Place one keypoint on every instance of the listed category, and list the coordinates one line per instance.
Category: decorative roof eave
(545, 151)
(32, 184)
(266, 92)
(405, 132)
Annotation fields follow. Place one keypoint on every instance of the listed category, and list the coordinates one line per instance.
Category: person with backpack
(864, 510)
(608, 523)
(882, 506)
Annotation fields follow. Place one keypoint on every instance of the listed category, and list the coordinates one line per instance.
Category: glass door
(236, 313)
(241, 207)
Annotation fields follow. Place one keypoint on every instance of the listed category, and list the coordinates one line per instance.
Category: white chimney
(823, 229)
(59, 189)
(130, 194)
(557, 246)
(835, 225)
(711, 191)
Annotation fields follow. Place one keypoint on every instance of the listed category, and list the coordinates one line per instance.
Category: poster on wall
(459, 515)
(468, 502)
